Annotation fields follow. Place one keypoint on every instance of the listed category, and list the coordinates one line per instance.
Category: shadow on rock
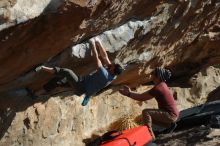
(18, 100)
(189, 136)
(214, 95)
(6, 118)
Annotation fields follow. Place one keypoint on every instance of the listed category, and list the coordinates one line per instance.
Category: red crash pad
(138, 136)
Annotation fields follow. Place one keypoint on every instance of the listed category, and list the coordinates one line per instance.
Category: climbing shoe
(85, 100)
(170, 129)
(39, 68)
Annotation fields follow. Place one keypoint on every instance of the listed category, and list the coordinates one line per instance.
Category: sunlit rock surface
(141, 35)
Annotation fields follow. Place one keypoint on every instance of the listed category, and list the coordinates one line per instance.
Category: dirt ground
(196, 136)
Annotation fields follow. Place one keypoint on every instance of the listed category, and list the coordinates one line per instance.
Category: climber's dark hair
(163, 74)
(118, 69)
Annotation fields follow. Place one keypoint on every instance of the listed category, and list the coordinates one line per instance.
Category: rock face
(201, 87)
(63, 121)
(164, 30)
(50, 34)
(181, 35)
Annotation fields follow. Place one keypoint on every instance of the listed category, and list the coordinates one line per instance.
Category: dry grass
(127, 122)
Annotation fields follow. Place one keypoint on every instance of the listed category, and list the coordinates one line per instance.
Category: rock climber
(90, 84)
(167, 113)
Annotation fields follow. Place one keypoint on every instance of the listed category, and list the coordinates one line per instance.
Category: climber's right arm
(95, 53)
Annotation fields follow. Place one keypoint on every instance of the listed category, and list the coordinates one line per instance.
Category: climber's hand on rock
(92, 42)
(125, 91)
